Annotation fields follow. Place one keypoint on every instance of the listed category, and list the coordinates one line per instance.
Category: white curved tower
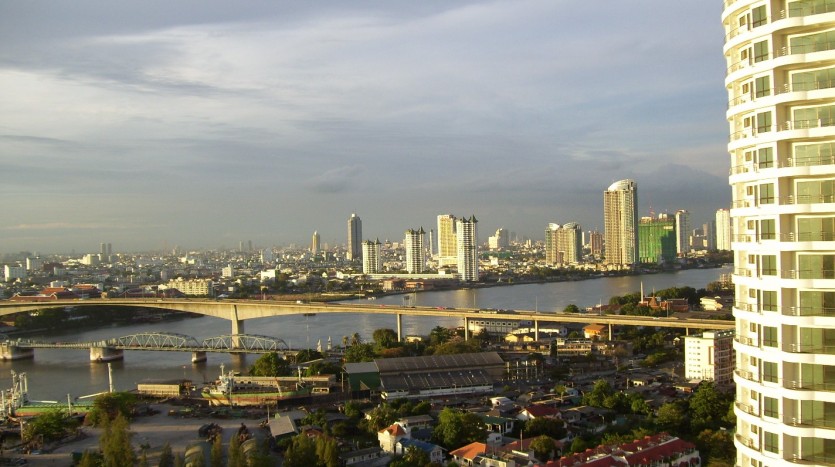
(781, 87)
(620, 221)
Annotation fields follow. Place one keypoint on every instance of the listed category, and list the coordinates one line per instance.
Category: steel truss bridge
(164, 341)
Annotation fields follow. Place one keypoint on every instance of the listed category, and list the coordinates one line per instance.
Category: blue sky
(201, 124)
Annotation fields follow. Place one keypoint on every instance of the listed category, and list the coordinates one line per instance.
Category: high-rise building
(499, 241)
(563, 244)
(447, 241)
(467, 235)
(710, 356)
(709, 232)
(780, 86)
(723, 229)
(596, 243)
(315, 242)
(372, 260)
(354, 238)
(415, 256)
(682, 232)
(620, 218)
(657, 240)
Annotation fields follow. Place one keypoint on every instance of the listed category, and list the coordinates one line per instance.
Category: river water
(53, 374)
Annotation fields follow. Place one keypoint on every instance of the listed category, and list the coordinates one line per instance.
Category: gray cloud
(209, 120)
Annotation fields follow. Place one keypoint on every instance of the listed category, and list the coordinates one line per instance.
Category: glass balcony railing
(812, 348)
(747, 408)
(807, 274)
(785, 126)
(785, 237)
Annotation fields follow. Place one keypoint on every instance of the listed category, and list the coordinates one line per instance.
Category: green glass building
(656, 240)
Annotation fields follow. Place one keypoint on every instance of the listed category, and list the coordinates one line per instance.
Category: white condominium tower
(314, 243)
(682, 232)
(354, 238)
(723, 229)
(372, 260)
(415, 258)
(620, 219)
(447, 241)
(781, 113)
(467, 249)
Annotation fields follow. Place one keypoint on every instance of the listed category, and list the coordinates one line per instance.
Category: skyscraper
(682, 232)
(723, 229)
(620, 219)
(372, 260)
(354, 238)
(415, 256)
(467, 236)
(657, 240)
(447, 241)
(563, 244)
(315, 242)
(780, 85)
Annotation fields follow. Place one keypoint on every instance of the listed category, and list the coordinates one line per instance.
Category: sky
(201, 124)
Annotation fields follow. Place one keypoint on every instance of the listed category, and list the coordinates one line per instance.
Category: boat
(232, 389)
(14, 402)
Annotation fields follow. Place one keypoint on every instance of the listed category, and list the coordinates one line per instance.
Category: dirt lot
(153, 431)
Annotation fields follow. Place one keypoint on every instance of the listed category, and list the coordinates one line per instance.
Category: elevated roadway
(238, 311)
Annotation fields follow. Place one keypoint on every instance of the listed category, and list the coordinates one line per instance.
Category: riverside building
(780, 79)
(620, 218)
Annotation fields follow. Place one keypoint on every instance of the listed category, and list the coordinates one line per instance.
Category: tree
(89, 459)
(561, 390)
(327, 451)
(359, 353)
(438, 335)
(115, 443)
(111, 404)
(235, 456)
(579, 445)
(270, 364)
(457, 346)
(543, 447)
(708, 406)
(716, 446)
(216, 459)
(455, 428)
(571, 308)
(413, 457)
(670, 417)
(385, 338)
(600, 391)
(306, 355)
(542, 426)
(166, 457)
(301, 452)
(49, 426)
(380, 417)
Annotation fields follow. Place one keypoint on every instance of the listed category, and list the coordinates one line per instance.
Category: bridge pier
(105, 354)
(198, 357)
(399, 328)
(536, 330)
(11, 352)
(237, 326)
(610, 331)
(466, 328)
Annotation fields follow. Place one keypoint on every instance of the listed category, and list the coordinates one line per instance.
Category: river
(53, 374)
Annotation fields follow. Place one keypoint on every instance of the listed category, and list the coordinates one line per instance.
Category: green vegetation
(50, 426)
(456, 428)
(270, 364)
(108, 406)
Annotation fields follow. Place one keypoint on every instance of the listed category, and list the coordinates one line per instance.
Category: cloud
(336, 180)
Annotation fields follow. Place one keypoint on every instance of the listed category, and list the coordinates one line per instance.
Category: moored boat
(236, 390)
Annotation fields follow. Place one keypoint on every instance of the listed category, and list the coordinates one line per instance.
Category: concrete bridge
(238, 311)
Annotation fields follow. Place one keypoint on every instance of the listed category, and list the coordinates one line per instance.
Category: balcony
(815, 349)
(746, 441)
(809, 311)
(788, 125)
(813, 422)
(810, 386)
(747, 408)
(745, 340)
(806, 48)
(746, 374)
(807, 274)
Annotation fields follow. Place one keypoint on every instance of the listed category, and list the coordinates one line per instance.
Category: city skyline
(213, 122)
